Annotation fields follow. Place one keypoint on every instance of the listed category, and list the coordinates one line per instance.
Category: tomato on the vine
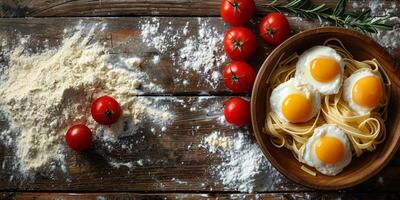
(237, 111)
(237, 12)
(239, 76)
(78, 137)
(239, 43)
(274, 28)
(106, 110)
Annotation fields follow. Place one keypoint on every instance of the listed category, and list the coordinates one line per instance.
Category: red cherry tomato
(239, 43)
(237, 12)
(274, 28)
(237, 111)
(106, 110)
(78, 137)
(239, 76)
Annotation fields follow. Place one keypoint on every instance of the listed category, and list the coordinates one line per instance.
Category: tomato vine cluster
(240, 44)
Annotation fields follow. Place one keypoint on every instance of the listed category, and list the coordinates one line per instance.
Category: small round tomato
(106, 110)
(239, 43)
(237, 12)
(237, 111)
(78, 137)
(239, 76)
(274, 28)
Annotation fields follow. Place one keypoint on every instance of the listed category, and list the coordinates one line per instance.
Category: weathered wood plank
(122, 38)
(53, 8)
(208, 196)
(7, 195)
(154, 160)
(173, 166)
(158, 160)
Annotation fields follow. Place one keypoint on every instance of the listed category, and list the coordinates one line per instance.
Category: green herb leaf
(363, 21)
(339, 9)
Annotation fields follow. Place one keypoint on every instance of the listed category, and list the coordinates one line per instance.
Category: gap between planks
(53, 8)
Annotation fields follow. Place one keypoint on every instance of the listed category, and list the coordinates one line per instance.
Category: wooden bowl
(360, 169)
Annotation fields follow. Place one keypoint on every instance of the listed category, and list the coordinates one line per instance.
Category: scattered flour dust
(390, 39)
(243, 166)
(129, 165)
(377, 7)
(201, 52)
(214, 142)
(44, 93)
(160, 36)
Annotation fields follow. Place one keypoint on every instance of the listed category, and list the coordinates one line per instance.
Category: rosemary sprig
(359, 21)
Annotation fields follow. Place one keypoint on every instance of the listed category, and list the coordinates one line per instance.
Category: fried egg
(294, 102)
(321, 67)
(327, 150)
(363, 91)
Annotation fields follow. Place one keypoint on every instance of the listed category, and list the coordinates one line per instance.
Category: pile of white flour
(45, 93)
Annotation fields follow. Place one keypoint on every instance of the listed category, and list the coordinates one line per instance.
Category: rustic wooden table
(91, 178)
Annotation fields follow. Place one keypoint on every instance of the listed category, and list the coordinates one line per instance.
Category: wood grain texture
(172, 166)
(122, 38)
(54, 8)
(173, 160)
(170, 160)
(207, 196)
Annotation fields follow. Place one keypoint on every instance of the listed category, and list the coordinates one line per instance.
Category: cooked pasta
(364, 131)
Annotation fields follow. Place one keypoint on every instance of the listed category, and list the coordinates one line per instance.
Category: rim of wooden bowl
(386, 150)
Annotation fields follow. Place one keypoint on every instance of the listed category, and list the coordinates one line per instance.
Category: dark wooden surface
(56, 8)
(201, 196)
(90, 175)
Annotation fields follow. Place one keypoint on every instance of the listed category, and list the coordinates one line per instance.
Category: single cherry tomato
(237, 12)
(274, 28)
(239, 76)
(239, 43)
(78, 137)
(237, 111)
(106, 110)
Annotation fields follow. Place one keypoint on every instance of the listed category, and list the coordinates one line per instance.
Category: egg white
(291, 86)
(303, 69)
(309, 157)
(348, 90)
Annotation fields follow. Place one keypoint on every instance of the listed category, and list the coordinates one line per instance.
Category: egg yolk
(324, 69)
(367, 91)
(297, 108)
(329, 150)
